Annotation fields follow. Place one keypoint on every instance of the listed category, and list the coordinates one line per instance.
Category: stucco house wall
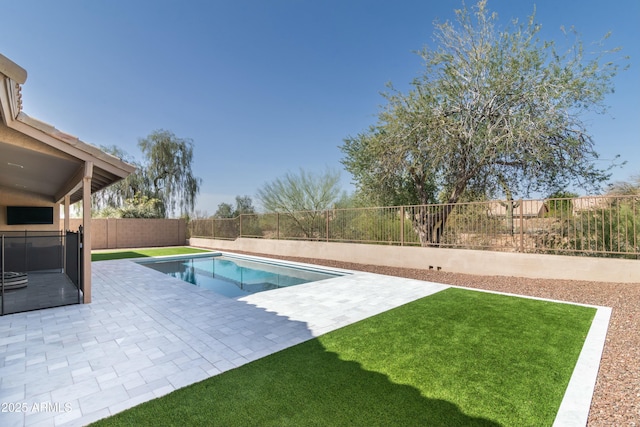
(26, 196)
(15, 198)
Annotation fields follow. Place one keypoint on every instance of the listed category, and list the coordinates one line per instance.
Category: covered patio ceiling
(54, 173)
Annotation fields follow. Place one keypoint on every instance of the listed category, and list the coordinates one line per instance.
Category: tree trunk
(429, 223)
(509, 206)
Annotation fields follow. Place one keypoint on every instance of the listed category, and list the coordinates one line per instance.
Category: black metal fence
(39, 270)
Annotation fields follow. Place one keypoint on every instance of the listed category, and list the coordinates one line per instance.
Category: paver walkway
(146, 334)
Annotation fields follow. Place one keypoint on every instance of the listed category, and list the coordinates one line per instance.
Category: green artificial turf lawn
(139, 253)
(456, 358)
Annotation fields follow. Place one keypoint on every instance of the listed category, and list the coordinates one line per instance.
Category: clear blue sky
(265, 87)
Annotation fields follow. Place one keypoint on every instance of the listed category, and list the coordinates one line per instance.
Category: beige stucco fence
(477, 262)
(116, 233)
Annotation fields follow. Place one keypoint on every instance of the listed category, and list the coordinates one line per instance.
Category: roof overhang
(37, 158)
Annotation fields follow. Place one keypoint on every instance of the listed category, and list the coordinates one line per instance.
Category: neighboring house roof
(582, 204)
(530, 208)
(38, 158)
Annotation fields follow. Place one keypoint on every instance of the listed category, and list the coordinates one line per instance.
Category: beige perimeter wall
(454, 260)
(117, 233)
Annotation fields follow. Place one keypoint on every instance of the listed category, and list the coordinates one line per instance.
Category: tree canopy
(164, 182)
(494, 112)
(630, 187)
(304, 191)
(302, 197)
(244, 205)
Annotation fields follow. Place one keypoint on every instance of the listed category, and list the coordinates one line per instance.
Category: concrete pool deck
(147, 334)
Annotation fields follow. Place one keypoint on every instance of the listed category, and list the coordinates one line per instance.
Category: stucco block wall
(484, 263)
(10, 197)
(117, 233)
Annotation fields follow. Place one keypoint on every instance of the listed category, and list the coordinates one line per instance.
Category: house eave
(108, 169)
(12, 70)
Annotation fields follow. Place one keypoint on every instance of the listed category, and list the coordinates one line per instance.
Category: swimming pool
(235, 276)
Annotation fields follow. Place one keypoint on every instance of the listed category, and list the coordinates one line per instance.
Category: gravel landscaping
(616, 400)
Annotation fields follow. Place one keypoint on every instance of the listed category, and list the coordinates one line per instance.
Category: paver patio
(146, 334)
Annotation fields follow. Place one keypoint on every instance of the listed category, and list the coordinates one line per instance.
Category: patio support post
(65, 228)
(67, 202)
(86, 225)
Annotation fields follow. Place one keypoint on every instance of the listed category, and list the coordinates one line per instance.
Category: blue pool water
(236, 276)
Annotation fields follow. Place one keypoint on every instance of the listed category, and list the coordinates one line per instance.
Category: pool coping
(300, 265)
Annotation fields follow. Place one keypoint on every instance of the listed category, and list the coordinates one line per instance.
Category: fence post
(277, 225)
(401, 225)
(213, 228)
(240, 220)
(521, 226)
(326, 213)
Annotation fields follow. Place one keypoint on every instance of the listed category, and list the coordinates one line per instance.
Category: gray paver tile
(157, 371)
(103, 399)
(76, 391)
(37, 383)
(13, 419)
(42, 409)
(161, 391)
(73, 417)
(131, 402)
(12, 394)
(186, 377)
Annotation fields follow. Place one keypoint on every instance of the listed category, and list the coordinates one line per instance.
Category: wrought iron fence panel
(592, 226)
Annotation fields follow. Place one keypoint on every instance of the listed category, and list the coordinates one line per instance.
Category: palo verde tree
(494, 112)
(164, 180)
(302, 197)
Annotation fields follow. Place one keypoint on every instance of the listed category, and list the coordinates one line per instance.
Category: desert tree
(631, 187)
(163, 182)
(244, 205)
(225, 210)
(168, 171)
(107, 201)
(495, 111)
(302, 197)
